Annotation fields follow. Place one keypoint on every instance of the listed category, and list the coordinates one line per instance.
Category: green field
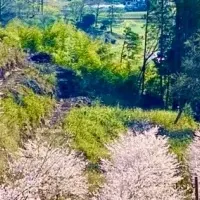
(118, 28)
(124, 15)
(136, 25)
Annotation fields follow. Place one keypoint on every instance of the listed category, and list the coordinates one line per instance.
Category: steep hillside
(64, 137)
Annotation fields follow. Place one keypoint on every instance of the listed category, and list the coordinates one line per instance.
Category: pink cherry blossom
(140, 168)
(41, 172)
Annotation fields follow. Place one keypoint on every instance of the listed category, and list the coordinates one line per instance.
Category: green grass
(28, 110)
(95, 179)
(136, 26)
(93, 127)
(134, 15)
(17, 119)
(18, 115)
(164, 118)
(139, 15)
(180, 146)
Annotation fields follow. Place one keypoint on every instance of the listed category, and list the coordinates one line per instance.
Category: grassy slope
(22, 108)
(91, 128)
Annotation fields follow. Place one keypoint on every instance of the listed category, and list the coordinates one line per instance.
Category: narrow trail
(63, 106)
(66, 94)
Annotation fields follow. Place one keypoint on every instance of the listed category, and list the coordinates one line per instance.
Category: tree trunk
(0, 10)
(97, 14)
(162, 49)
(161, 87)
(144, 56)
(122, 53)
(167, 92)
(42, 7)
(179, 114)
(112, 18)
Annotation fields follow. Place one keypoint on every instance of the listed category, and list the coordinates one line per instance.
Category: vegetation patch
(91, 128)
(19, 115)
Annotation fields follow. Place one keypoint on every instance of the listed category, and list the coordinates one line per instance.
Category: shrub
(43, 172)
(28, 112)
(9, 142)
(29, 38)
(94, 62)
(141, 168)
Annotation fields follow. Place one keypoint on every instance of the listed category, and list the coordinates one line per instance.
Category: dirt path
(63, 106)
(63, 92)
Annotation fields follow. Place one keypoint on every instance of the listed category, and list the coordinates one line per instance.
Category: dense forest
(98, 101)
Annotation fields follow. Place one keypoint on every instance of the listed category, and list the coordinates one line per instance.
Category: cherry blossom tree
(43, 172)
(194, 158)
(140, 168)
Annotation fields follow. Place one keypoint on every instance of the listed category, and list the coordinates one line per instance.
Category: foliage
(186, 12)
(186, 84)
(131, 46)
(26, 37)
(25, 109)
(41, 171)
(141, 167)
(28, 11)
(76, 9)
(163, 118)
(91, 60)
(190, 69)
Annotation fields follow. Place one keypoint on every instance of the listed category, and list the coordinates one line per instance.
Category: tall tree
(77, 9)
(159, 31)
(28, 8)
(97, 11)
(152, 35)
(186, 86)
(113, 14)
(5, 8)
(187, 22)
(131, 46)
